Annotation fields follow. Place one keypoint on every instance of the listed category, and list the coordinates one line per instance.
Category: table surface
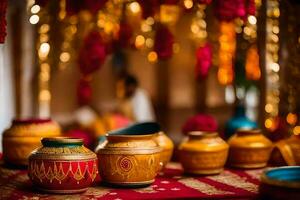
(171, 183)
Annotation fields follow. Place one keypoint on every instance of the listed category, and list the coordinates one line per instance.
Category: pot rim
(248, 131)
(61, 141)
(138, 136)
(201, 134)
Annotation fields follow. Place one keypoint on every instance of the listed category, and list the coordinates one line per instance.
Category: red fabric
(170, 184)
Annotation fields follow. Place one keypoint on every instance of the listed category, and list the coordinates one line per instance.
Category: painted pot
(160, 138)
(24, 136)
(129, 160)
(280, 183)
(62, 165)
(249, 149)
(286, 152)
(203, 153)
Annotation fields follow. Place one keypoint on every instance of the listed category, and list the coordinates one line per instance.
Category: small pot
(62, 165)
(24, 136)
(146, 128)
(203, 153)
(249, 149)
(129, 160)
(286, 152)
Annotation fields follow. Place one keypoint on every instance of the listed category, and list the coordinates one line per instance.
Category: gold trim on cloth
(255, 173)
(232, 179)
(202, 187)
(57, 172)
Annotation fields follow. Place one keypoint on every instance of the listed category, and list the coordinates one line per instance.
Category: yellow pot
(203, 153)
(24, 136)
(167, 147)
(129, 160)
(249, 149)
(287, 151)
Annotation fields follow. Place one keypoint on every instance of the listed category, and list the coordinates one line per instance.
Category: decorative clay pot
(146, 128)
(63, 165)
(129, 160)
(203, 153)
(287, 151)
(280, 183)
(249, 149)
(167, 147)
(24, 136)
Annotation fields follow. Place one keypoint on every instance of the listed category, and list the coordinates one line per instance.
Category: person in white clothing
(134, 101)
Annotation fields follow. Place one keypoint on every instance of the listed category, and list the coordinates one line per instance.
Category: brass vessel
(249, 149)
(129, 160)
(159, 137)
(24, 136)
(203, 153)
(286, 151)
(167, 147)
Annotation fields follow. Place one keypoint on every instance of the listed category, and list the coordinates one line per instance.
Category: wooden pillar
(261, 40)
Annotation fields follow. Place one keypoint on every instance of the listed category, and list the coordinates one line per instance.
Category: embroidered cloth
(171, 183)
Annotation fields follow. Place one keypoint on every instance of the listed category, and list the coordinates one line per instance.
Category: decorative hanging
(252, 64)
(227, 40)
(204, 60)
(272, 63)
(91, 56)
(231, 9)
(124, 35)
(3, 7)
(163, 43)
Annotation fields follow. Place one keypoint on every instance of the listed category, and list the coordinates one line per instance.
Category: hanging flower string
(3, 7)
(163, 43)
(204, 60)
(91, 56)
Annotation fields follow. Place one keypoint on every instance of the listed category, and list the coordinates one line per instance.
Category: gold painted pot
(24, 136)
(286, 152)
(249, 149)
(62, 165)
(203, 153)
(167, 147)
(146, 128)
(129, 160)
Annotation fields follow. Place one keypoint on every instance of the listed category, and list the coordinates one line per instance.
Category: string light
(272, 65)
(188, 4)
(227, 40)
(198, 25)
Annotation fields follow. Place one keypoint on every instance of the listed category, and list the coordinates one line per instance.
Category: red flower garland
(228, 10)
(200, 122)
(164, 41)
(3, 6)
(204, 60)
(124, 35)
(91, 56)
(93, 53)
(84, 92)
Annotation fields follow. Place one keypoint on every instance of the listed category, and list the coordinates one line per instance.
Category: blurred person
(134, 101)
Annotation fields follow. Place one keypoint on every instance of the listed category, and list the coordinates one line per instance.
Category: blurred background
(188, 64)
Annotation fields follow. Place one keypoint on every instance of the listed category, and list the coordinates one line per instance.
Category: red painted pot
(62, 165)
